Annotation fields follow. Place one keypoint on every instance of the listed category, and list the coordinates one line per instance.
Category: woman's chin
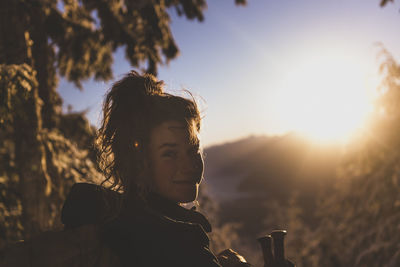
(188, 199)
(188, 194)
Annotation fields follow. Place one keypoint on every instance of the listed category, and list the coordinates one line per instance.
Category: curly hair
(132, 108)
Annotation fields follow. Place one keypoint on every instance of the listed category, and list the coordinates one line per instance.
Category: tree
(76, 39)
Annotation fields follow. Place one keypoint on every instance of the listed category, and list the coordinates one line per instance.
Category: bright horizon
(272, 67)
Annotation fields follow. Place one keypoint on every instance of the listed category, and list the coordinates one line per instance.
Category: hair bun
(133, 93)
(151, 86)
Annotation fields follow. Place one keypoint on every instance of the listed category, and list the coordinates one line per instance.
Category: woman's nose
(192, 165)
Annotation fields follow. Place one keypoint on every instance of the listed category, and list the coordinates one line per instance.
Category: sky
(271, 67)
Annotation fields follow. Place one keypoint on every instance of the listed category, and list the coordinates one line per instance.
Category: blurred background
(300, 102)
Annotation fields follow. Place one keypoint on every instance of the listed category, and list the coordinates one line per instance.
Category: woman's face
(176, 163)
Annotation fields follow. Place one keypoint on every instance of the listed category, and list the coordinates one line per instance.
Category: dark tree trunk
(34, 183)
(43, 62)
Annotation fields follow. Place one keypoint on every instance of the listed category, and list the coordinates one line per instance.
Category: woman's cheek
(167, 170)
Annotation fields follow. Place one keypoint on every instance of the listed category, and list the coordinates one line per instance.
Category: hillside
(255, 180)
(256, 165)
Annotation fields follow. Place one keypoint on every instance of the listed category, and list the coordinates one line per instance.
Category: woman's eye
(170, 154)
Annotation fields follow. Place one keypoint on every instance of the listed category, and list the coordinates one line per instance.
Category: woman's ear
(144, 176)
(143, 180)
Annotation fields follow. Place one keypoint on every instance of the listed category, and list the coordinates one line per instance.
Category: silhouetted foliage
(76, 39)
(384, 2)
(37, 166)
(16, 89)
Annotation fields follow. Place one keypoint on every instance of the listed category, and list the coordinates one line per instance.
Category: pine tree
(76, 39)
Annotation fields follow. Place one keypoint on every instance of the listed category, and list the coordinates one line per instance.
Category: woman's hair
(132, 108)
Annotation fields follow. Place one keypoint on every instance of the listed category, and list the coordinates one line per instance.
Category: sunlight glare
(325, 98)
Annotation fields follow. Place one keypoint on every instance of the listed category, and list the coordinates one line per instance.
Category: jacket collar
(176, 212)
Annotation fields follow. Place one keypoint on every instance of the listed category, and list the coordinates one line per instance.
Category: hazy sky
(264, 68)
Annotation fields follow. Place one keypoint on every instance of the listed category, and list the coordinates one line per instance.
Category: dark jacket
(156, 233)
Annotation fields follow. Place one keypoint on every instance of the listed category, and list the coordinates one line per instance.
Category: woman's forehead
(174, 132)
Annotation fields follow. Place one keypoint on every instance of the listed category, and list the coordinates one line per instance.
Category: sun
(326, 97)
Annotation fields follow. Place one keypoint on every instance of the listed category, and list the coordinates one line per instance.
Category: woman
(150, 156)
